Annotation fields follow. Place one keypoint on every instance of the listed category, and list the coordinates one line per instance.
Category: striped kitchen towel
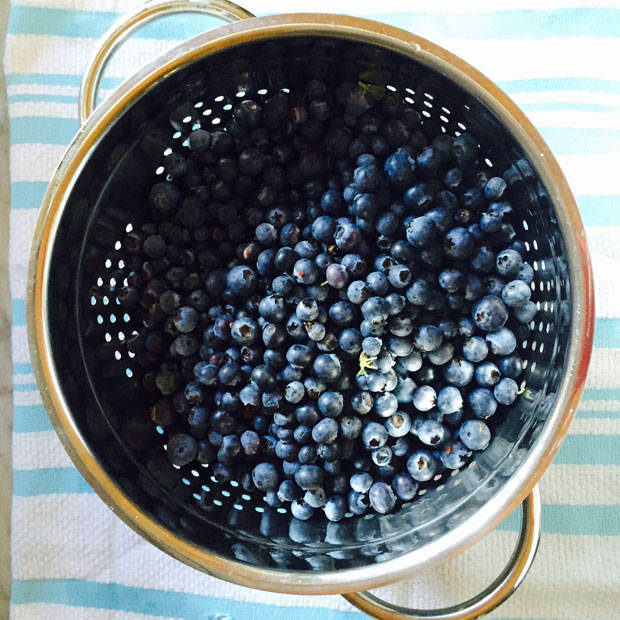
(72, 559)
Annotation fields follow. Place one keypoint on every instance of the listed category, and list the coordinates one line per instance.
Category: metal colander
(94, 389)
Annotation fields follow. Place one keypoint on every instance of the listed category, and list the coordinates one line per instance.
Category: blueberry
(398, 424)
(502, 342)
(294, 391)
(420, 231)
(325, 431)
(336, 275)
(229, 450)
(362, 402)
(424, 398)
(182, 449)
(475, 435)
(250, 442)
(367, 177)
(400, 168)
(307, 309)
(525, 313)
(404, 486)
(272, 308)
(309, 477)
(511, 366)
(387, 224)
(186, 319)
(454, 454)
(358, 503)
(459, 372)
(350, 427)
(449, 400)
(418, 197)
(264, 377)
(375, 307)
(301, 510)
(330, 404)
(495, 188)
(307, 414)
(516, 293)
(399, 276)
(299, 355)
(316, 498)
(358, 292)
(526, 273)
(490, 313)
(506, 391)
(508, 263)
(323, 229)
(241, 280)
(374, 435)
(458, 243)
(404, 390)
(475, 349)
(335, 508)
(342, 313)
(305, 271)
(377, 283)
(386, 405)
(206, 373)
(244, 331)
(451, 279)
(288, 491)
(482, 402)
(347, 236)
(350, 341)
(381, 457)
(381, 497)
(487, 374)
(422, 466)
(442, 354)
(230, 374)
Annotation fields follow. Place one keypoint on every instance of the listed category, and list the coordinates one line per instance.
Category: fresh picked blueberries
(332, 295)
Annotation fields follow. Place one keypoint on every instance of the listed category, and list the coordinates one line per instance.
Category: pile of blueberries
(331, 292)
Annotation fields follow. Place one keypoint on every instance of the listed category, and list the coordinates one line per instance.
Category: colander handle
(129, 23)
(490, 598)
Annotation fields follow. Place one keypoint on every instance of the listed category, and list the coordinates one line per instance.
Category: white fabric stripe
(26, 109)
(24, 379)
(595, 426)
(40, 450)
(352, 6)
(565, 96)
(118, 551)
(600, 405)
(22, 224)
(41, 89)
(35, 162)
(76, 51)
(589, 174)
(28, 611)
(19, 340)
(27, 399)
(605, 256)
(578, 485)
(580, 55)
(565, 118)
(603, 371)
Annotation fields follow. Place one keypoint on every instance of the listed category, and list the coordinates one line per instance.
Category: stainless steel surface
(506, 486)
(490, 598)
(135, 20)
